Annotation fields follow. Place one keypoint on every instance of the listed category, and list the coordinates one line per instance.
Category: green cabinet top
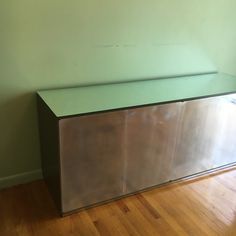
(94, 98)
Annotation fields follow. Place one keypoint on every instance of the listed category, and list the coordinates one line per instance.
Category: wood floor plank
(168, 201)
(151, 214)
(106, 221)
(202, 206)
(136, 218)
(215, 201)
(163, 212)
(203, 214)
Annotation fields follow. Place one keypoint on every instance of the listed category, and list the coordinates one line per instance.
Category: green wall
(55, 43)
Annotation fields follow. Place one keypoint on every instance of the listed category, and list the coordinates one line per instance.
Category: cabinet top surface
(95, 98)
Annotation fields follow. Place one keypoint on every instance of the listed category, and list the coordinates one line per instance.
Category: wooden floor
(204, 206)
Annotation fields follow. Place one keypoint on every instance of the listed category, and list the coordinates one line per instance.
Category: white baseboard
(22, 178)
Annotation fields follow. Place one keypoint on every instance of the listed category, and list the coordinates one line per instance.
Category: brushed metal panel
(194, 138)
(92, 160)
(224, 150)
(206, 137)
(150, 143)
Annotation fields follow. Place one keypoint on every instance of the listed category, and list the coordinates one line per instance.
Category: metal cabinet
(92, 158)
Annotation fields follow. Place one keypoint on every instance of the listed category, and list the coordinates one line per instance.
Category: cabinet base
(214, 171)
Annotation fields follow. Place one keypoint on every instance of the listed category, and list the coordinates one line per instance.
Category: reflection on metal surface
(206, 137)
(91, 159)
(224, 150)
(194, 138)
(150, 144)
(110, 154)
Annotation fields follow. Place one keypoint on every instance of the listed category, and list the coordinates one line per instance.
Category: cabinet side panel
(49, 144)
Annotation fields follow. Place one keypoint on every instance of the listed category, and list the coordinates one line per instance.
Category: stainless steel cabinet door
(195, 138)
(207, 136)
(150, 144)
(92, 160)
(224, 150)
